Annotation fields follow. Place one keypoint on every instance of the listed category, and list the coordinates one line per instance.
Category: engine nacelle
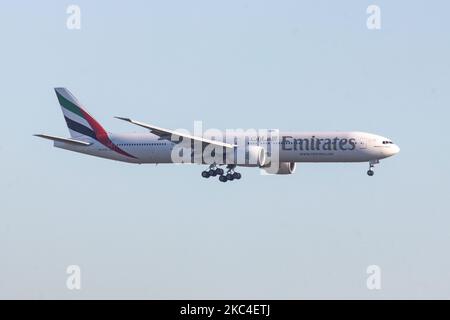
(252, 156)
(283, 168)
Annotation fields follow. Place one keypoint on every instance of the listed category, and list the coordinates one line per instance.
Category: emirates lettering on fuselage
(317, 144)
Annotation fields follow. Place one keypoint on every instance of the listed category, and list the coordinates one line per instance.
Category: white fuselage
(292, 147)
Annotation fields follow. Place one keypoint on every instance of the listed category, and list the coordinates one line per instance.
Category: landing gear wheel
(205, 174)
(229, 176)
(219, 171)
(372, 164)
(222, 178)
(212, 172)
(236, 175)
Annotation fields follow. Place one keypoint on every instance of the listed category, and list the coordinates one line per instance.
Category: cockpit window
(387, 142)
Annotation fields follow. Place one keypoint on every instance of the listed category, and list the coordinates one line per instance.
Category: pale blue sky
(164, 232)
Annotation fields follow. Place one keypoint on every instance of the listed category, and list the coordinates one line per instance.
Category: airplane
(275, 154)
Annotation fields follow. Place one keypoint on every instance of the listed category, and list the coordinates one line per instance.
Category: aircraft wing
(70, 141)
(167, 134)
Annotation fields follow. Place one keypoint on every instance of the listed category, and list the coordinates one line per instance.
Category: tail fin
(79, 121)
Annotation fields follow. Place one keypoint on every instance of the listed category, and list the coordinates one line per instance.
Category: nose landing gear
(372, 164)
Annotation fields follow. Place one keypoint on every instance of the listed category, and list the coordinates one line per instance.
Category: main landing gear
(229, 176)
(372, 164)
(212, 172)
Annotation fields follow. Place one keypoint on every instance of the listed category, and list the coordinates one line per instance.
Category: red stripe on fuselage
(102, 135)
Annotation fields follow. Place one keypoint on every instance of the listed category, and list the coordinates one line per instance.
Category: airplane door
(363, 143)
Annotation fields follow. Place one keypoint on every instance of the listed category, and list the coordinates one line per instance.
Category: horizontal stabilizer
(66, 140)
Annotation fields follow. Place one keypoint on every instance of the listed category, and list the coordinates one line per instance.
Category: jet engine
(282, 168)
(252, 156)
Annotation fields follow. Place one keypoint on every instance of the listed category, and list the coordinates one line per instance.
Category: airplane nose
(395, 149)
